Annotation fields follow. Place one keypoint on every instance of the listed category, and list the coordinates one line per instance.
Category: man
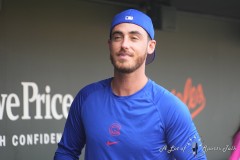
(129, 117)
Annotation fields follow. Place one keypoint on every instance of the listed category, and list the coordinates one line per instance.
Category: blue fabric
(151, 124)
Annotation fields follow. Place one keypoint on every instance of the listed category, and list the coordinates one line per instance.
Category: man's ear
(151, 46)
(109, 43)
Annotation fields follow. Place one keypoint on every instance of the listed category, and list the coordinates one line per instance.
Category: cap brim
(150, 58)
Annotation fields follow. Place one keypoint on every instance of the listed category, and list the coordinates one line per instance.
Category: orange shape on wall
(193, 97)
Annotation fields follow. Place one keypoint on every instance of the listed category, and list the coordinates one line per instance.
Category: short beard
(122, 69)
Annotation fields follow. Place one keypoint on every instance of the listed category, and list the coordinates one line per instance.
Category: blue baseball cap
(139, 18)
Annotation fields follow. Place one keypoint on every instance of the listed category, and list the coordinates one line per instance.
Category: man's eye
(134, 38)
(115, 38)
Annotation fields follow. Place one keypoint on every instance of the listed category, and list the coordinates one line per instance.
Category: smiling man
(129, 116)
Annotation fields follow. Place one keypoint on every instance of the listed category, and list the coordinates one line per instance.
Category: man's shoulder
(162, 95)
(156, 90)
(94, 87)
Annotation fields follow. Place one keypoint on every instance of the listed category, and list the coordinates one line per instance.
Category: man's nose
(125, 43)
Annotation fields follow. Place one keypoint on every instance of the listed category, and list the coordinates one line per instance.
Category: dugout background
(63, 44)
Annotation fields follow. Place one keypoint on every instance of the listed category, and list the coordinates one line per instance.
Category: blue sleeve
(183, 140)
(73, 138)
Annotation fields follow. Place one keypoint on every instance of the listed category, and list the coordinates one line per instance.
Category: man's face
(129, 45)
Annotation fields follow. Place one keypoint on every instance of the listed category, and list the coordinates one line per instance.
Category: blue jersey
(151, 124)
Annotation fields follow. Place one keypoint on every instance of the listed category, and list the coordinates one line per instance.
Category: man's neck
(128, 84)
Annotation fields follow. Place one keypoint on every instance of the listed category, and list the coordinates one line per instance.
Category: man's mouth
(124, 55)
